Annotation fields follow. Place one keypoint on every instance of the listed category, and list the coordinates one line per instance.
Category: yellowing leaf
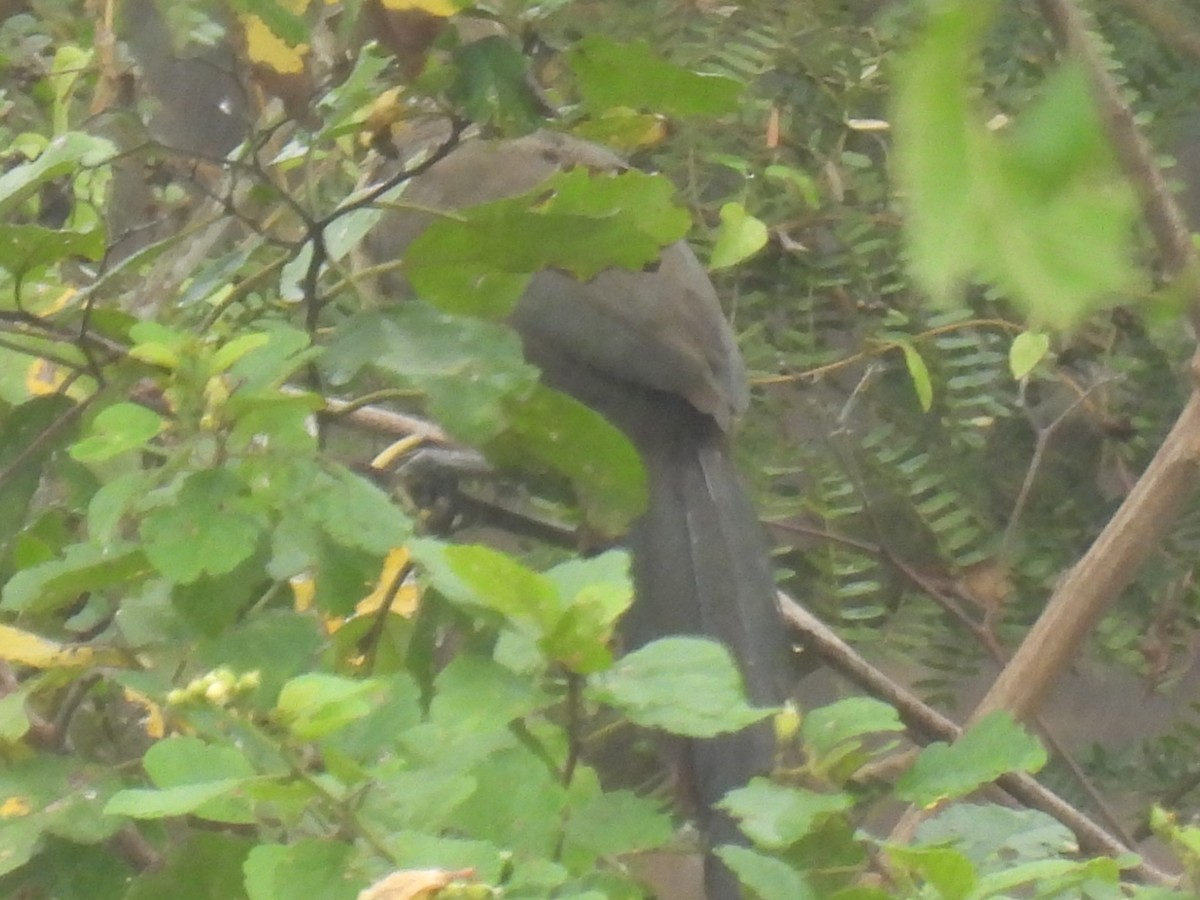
(304, 588)
(388, 456)
(442, 8)
(15, 806)
(413, 884)
(153, 724)
(44, 377)
(265, 48)
(27, 649)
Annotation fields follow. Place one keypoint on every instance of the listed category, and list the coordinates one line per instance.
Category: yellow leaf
(442, 8)
(388, 456)
(413, 884)
(14, 807)
(304, 588)
(403, 598)
(265, 48)
(28, 649)
(44, 377)
(153, 723)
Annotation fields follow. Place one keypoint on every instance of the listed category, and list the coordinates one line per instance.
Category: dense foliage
(265, 635)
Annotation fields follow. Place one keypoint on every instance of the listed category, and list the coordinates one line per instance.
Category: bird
(651, 351)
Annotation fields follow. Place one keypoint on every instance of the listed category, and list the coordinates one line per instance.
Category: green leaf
(84, 568)
(479, 261)
(592, 596)
(473, 695)
(488, 579)
(828, 728)
(117, 429)
(353, 511)
(776, 816)
(612, 74)
(986, 833)
(315, 705)
(302, 870)
(212, 527)
(203, 866)
(936, 142)
(618, 822)
(769, 878)
(1056, 876)
(63, 156)
(687, 686)
(1027, 350)
(492, 85)
(948, 870)
(518, 803)
(26, 247)
(993, 746)
(177, 801)
(918, 372)
(564, 436)
(20, 427)
(52, 795)
(182, 761)
(233, 351)
(741, 236)
(14, 720)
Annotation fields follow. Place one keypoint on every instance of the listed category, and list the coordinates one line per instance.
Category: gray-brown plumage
(651, 351)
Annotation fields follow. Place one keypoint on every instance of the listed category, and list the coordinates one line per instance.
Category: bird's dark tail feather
(700, 567)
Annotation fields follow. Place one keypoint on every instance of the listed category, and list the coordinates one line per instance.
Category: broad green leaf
(117, 429)
(478, 261)
(230, 353)
(473, 696)
(776, 816)
(1057, 875)
(687, 686)
(618, 822)
(989, 749)
(557, 432)
(611, 75)
(936, 142)
(140, 803)
(62, 156)
(918, 372)
(827, 728)
(26, 247)
(302, 870)
(948, 870)
(20, 427)
(185, 760)
(484, 578)
(353, 511)
(52, 795)
(211, 528)
(992, 834)
(769, 878)
(518, 803)
(206, 865)
(315, 704)
(1027, 350)
(492, 85)
(14, 720)
(740, 236)
(592, 595)
(84, 568)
